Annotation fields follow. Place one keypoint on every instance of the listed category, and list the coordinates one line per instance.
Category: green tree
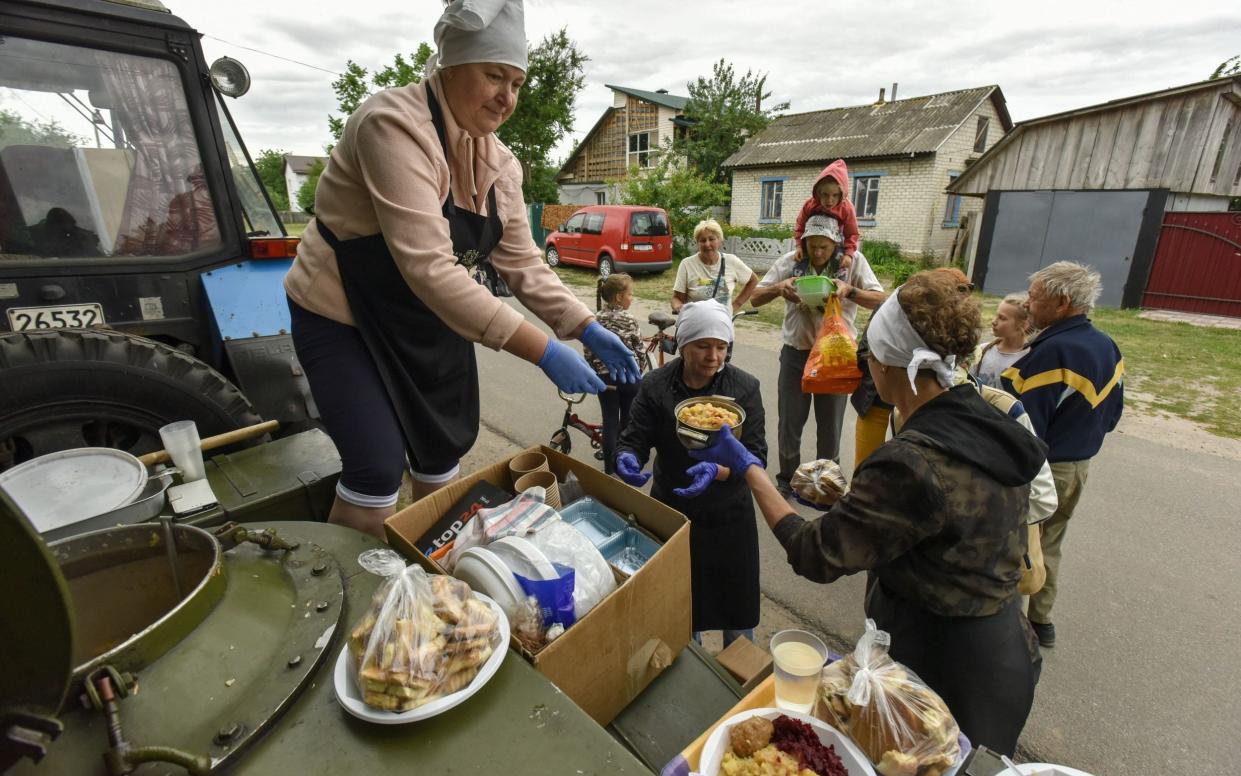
(16, 130)
(1229, 67)
(727, 110)
(306, 193)
(687, 195)
(354, 86)
(554, 77)
(270, 165)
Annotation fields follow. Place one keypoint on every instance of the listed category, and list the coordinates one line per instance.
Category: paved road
(1146, 675)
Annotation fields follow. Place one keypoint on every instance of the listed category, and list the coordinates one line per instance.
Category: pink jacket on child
(843, 212)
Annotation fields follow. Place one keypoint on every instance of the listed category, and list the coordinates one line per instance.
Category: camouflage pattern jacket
(618, 321)
(938, 513)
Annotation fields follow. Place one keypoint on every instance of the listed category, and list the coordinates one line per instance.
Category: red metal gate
(1197, 266)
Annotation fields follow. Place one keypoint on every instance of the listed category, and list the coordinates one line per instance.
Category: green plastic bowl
(813, 289)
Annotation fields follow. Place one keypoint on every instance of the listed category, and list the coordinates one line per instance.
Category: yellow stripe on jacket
(1067, 376)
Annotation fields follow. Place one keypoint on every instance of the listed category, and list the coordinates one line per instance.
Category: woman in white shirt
(712, 274)
(1012, 329)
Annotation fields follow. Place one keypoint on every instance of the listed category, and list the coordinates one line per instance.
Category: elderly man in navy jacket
(1072, 385)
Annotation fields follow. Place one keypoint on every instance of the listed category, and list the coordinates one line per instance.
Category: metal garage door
(1023, 231)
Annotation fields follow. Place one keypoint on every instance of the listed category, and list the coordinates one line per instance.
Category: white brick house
(901, 156)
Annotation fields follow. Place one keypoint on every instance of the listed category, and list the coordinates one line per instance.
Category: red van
(613, 238)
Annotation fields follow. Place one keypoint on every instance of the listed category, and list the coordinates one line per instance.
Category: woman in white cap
(937, 513)
(724, 537)
(419, 226)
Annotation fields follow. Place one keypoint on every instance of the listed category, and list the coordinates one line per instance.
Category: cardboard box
(748, 663)
(609, 656)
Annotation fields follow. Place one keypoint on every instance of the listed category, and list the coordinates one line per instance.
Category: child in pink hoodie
(830, 197)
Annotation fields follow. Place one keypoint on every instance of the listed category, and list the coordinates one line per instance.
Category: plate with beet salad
(774, 741)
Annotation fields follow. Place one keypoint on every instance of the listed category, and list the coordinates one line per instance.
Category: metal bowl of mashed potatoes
(699, 418)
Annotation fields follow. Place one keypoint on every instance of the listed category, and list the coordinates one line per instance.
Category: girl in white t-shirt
(712, 274)
(1012, 328)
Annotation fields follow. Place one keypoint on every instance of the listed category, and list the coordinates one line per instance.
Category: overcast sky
(1047, 56)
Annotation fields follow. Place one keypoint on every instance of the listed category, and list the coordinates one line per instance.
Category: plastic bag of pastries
(423, 637)
(819, 482)
(899, 722)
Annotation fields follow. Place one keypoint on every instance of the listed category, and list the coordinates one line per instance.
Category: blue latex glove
(630, 470)
(728, 451)
(703, 474)
(565, 367)
(614, 354)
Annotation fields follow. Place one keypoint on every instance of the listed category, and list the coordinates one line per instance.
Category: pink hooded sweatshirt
(843, 212)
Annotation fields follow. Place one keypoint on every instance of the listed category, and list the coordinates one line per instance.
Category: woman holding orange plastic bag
(802, 322)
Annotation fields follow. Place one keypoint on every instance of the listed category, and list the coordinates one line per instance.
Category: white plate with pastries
(349, 694)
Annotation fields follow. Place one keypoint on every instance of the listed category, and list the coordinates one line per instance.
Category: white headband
(480, 31)
(700, 320)
(894, 342)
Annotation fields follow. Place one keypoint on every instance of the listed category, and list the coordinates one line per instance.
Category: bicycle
(561, 440)
(660, 343)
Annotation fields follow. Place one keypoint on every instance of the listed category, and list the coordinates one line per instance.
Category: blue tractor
(141, 259)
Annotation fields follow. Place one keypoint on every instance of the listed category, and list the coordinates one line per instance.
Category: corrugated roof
(917, 125)
(659, 98)
(998, 150)
(301, 164)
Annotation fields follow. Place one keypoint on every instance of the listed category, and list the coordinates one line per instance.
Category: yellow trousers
(870, 431)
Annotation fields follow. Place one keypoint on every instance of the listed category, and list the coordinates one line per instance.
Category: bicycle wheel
(561, 442)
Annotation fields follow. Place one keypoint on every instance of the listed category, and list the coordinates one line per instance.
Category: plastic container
(813, 289)
(594, 520)
(624, 546)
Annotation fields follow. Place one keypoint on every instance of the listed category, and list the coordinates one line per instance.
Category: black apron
(723, 536)
(429, 371)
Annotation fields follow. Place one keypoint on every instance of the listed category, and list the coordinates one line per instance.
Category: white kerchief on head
(700, 320)
(480, 31)
(893, 340)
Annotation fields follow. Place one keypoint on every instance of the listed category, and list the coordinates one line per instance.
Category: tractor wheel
(90, 388)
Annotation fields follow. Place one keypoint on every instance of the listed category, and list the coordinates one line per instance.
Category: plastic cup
(526, 463)
(184, 447)
(541, 479)
(798, 659)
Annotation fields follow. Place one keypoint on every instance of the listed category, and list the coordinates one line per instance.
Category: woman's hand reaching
(565, 367)
(728, 451)
(614, 353)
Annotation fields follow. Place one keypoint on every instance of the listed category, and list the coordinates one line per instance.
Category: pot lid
(36, 609)
(62, 488)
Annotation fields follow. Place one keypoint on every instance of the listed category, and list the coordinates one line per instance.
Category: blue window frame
(770, 200)
(952, 206)
(866, 197)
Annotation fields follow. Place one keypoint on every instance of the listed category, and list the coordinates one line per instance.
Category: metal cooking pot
(146, 507)
(697, 438)
(66, 487)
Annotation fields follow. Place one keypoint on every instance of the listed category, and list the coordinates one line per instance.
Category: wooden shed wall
(1189, 142)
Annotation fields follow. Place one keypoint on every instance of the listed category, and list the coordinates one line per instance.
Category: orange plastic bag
(832, 365)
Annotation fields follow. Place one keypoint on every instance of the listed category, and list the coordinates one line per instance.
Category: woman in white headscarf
(724, 537)
(419, 226)
(937, 513)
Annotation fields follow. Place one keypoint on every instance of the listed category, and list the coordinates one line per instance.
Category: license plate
(65, 316)
(644, 247)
